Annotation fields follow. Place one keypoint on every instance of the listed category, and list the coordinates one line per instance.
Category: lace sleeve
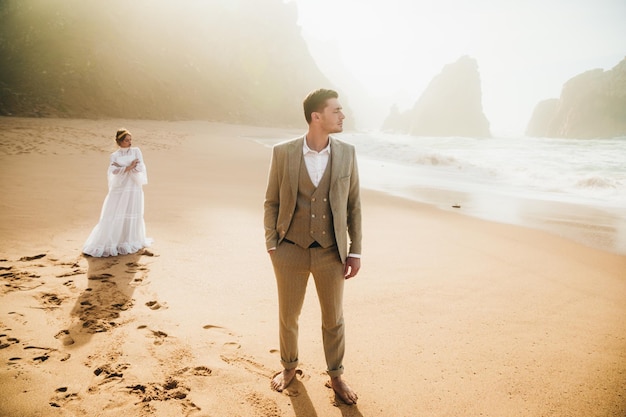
(115, 173)
(118, 173)
(140, 173)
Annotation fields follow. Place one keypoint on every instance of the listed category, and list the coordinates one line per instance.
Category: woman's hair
(316, 101)
(120, 135)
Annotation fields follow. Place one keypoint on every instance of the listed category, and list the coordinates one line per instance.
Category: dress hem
(123, 249)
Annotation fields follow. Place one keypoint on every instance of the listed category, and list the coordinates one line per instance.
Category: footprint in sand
(42, 354)
(65, 337)
(197, 371)
(17, 280)
(51, 301)
(70, 284)
(202, 371)
(136, 266)
(210, 326)
(6, 341)
(170, 390)
(100, 277)
(159, 336)
(31, 258)
(72, 273)
(111, 371)
(110, 264)
(136, 282)
(132, 268)
(62, 397)
(155, 305)
(223, 329)
(231, 354)
(263, 404)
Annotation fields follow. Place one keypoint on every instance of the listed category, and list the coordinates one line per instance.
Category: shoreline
(528, 322)
(597, 225)
(600, 227)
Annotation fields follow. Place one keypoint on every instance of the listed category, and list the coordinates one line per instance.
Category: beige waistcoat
(312, 218)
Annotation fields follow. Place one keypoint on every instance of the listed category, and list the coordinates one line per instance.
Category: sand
(449, 316)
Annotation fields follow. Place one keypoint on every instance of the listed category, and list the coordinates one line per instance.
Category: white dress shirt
(316, 162)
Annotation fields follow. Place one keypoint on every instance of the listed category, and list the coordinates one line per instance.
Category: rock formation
(451, 105)
(240, 61)
(542, 117)
(592, 105)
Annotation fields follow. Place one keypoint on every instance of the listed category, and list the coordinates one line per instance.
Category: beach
(450, 315)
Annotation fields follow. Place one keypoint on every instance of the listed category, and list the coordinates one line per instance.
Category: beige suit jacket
(345, 198)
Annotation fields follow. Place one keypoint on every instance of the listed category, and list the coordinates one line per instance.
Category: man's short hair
(316, 102)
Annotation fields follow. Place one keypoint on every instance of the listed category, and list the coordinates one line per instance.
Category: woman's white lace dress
(121, 229)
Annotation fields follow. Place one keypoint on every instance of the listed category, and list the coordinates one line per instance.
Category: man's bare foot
(281, 380)
(343, 391)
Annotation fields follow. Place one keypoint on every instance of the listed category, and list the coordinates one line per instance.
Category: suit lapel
(295, 159)
(336, 161)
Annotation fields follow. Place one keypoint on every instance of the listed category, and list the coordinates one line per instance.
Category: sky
(384, 52)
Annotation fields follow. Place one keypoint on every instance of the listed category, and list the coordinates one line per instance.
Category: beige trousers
(292, 267)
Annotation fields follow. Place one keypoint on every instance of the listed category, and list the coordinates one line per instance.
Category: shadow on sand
(111, 283)
(303, 406)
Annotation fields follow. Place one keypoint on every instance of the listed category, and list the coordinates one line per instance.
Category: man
(312, 205)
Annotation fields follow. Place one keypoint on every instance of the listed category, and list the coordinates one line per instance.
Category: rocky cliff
(592, 105)
(241, 61)
(451, 105)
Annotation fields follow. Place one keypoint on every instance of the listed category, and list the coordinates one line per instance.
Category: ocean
(575, 188)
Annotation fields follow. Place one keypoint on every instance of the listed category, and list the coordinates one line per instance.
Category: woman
(121, 229)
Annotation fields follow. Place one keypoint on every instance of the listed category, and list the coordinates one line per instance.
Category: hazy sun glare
(385, 52)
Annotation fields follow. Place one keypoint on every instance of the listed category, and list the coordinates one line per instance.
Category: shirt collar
(306, 149)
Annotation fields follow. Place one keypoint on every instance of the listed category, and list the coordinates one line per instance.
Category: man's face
(331, 119)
